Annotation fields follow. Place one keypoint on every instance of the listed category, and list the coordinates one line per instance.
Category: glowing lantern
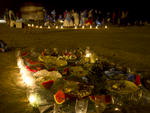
(89, 57)
(49, 27)
(90, 27)
(32, 25)
(61, 27)
(34, 99)
(2, 21)
(29, 25)
(41, 27)
(88, 54)
(37, 26)
(117, 109)
(56, 27)
(61, 21)
(75, 27)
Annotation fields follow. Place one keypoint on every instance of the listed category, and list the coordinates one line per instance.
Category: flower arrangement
(80, 74)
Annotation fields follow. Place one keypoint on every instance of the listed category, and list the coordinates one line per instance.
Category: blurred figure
(68, 21)
(83, 17)
(76, 18)
(11, 15)
(124, 18)
(12, 18)
(114, 17)
(6, 16)
(53, 13)
(3, 46)
(90, 15)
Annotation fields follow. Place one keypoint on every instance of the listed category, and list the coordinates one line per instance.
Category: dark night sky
(140, 7)
(141, 4)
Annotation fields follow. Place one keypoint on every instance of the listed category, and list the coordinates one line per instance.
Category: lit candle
(56, 27)
(32, 25)
(49, 27)
(61, 27)
(37, 26)
(89, 57)
(106, 27)
(41, 27)
(29, 25)
(96, 27)
(34, 99)
(75, 27)
(117, 109)
(61, 21)
(90, 27)
(83, 27)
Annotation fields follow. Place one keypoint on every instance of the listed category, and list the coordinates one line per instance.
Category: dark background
(106, 4)
(138, 8)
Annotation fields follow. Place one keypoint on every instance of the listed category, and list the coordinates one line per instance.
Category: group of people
(89, 17)
(70, 18)
(74, 18)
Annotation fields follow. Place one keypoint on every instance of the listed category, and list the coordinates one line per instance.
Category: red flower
(137, 80)
(24, 54)
(48, 84)
(32, 70)
(52, 69)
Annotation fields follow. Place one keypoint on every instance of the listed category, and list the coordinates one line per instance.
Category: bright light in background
(2, 21)
(106, 26)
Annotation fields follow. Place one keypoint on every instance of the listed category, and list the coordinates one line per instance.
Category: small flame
(37, 26)
(117, 109)
(49, 27)
(62, 27)
(56, 27)
(29, 25)
(41, 27)
(106, 26)
(75, 27)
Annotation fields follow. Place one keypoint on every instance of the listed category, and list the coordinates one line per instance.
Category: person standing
(68, 21)
(76, 18)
